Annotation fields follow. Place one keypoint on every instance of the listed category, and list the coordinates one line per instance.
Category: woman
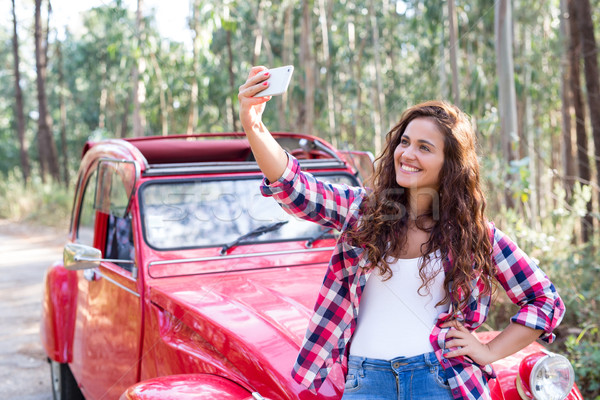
(416, 254)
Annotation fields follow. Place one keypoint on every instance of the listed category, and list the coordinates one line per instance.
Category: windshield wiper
(253, 233)
(318, 236)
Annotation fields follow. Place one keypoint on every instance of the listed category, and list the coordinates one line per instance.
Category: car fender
(58, 312)
(186, 387)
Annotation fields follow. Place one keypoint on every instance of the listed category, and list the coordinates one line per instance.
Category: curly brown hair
(459, 230)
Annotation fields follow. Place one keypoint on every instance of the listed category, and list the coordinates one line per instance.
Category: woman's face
(419, 157)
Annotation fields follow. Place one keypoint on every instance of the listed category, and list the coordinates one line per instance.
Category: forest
(525, 72)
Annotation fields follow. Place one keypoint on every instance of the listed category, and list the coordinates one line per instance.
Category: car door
(107, 333)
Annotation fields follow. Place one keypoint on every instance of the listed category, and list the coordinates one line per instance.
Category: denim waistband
(398, 364)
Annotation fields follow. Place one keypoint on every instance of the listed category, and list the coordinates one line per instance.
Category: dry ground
(26, 252)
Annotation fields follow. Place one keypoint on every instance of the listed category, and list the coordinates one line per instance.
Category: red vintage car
(180, 281)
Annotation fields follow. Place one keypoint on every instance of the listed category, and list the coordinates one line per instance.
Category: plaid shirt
(335, 315)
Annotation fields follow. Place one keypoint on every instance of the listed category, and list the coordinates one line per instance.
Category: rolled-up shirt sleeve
(528, 287)
(302, 195)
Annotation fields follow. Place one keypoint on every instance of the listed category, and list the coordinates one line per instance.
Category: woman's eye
(425, 148)
(403, 141)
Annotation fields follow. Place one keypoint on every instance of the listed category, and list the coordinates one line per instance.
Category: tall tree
(567, 156)
(307, 113)
(377, 89)
(63, 114)
(590, 63)
(230, 27)
(506, 82)
(287, 54)
(325, 20)
(25, 167)
(192, 121)
(46, 146)
(529, 138)
(356, 57)
(138, 88)
(162, 88)
(583, 161)
(453, 51)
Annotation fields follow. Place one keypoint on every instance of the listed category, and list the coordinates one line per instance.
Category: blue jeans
(404, 378)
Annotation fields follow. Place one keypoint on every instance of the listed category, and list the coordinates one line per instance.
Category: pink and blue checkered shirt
(335, 314)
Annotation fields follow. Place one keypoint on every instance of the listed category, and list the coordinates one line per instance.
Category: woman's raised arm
(270, 156)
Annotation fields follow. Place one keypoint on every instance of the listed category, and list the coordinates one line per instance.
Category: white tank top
(394, 320)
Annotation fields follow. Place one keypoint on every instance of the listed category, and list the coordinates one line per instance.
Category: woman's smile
(408, 168)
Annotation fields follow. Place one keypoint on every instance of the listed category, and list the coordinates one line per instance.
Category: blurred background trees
(526, 72)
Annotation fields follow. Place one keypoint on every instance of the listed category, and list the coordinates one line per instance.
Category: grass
(43, 203)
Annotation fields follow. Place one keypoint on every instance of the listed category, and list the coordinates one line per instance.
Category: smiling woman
(419, 157)
(423, 224)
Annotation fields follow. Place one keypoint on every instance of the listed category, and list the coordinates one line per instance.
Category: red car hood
(278, 300)
(254, 319)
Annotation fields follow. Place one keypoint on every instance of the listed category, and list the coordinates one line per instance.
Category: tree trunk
(103, 95)
(287, 57)
(583, 161)
(507, 104)
(567, 155)
(453, 51)
(325, 28)
(25, 166)
(138, 124)
(590, 62)
(262, 39)
(63, 116)
(356, 57)
(530, 134)
(231, 82)
(192, 122)
(125, 118)
(46, 145)
(307, 113)
(258, 35)
(442, 68)
(378, 96)
(164, 114)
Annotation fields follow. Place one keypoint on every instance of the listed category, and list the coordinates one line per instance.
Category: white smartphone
(279, 80)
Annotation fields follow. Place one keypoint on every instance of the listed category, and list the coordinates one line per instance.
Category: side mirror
(79, 256)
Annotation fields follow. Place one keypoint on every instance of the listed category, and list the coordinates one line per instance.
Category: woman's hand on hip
(252, 108)
(466, 344)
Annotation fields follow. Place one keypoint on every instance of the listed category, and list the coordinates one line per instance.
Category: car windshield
(206, 213)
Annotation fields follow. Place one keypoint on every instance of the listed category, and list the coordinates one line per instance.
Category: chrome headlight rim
(539, 364)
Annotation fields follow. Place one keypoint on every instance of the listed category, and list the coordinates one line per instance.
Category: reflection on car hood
(281, 299)
(249, 320)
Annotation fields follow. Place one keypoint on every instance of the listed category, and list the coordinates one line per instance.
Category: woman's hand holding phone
(278, 81)
(262, 83)
(269, 155)
(252, 108)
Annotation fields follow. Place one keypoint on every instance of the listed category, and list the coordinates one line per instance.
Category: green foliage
(43, 203)
(574, 270)
(584, 353)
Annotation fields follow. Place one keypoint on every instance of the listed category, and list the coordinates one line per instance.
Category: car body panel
(58, 313)
(187, 387)
(107, 333)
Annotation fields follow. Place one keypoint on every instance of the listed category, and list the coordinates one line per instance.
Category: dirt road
(25, 254)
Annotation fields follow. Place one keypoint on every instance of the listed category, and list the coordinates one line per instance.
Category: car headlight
(545, 376)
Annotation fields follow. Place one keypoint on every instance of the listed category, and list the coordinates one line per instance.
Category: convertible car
(180, 281)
